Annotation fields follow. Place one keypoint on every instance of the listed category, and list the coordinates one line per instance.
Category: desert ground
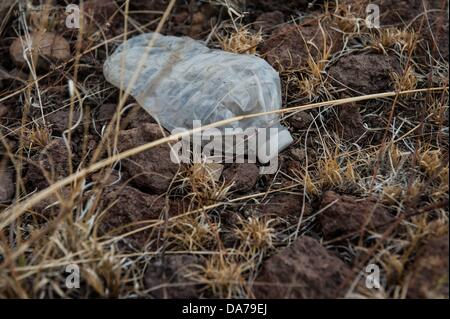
(87, 184)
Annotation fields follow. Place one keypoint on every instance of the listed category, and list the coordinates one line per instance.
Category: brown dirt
(137, 117)
(104, 114)
(287, 47)
(98, 11)
(303, 270)
(45, 168)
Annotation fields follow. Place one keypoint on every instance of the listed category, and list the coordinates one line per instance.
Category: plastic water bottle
(183, 81)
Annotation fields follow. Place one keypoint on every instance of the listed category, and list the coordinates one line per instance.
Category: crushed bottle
(183, 81)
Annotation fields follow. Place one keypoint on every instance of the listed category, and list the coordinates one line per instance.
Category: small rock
(430, 271)
(172, 273)
(150, 170)
(300, 120)
(7, 188)
(365, 73)
(349, 214)
(198, 18)
(305, 270)
(47, 45)
(285, 205)
(114, 185)
(244, 176)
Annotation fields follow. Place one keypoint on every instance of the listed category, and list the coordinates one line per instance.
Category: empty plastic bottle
(182, 80)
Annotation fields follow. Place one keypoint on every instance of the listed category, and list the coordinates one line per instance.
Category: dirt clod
(137, 117)
(47, 167)
(150, 170)
(365, 73)
(45, 45)
(244, 176)
(285, 205)
(3, 110)
(303, 270)
(347, 214)
(125, 207)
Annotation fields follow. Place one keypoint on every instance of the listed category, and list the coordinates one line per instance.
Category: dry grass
(241, 41)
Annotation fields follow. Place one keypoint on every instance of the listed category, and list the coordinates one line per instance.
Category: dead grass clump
(255, 233)
(241, 41)
(222, 276)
